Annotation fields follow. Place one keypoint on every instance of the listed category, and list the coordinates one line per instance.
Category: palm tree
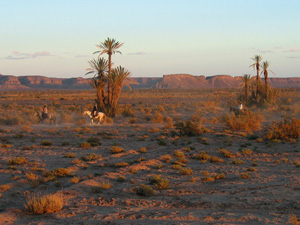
(265, 71)
(99, 69)
(117, 78)
(256, 65)
(246, 82)
(109, 46)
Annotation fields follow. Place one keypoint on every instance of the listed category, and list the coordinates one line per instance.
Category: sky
(57, 38)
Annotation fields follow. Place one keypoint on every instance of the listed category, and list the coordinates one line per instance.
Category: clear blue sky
(57, 38)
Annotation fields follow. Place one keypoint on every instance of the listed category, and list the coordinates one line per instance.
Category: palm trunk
(266, 84)
(109, 82)
(246, 93)
(257, 80)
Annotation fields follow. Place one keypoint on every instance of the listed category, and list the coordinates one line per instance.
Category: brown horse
(52, 118)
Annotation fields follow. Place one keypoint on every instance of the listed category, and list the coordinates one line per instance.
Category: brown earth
(268, 196)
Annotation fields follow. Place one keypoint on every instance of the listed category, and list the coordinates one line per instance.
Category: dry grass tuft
(248, 121)
(38, 204)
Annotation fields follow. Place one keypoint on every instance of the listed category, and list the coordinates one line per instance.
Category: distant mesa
(170, 81)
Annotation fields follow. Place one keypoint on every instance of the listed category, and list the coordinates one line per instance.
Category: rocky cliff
(179, 81)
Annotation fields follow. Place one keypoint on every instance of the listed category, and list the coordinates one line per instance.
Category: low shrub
(189, 128)
(17, 161)
(93, 141)
(90, 157)
(244, 176)
(145, 190)
(46, 143)
(38, 204)
(226, 153)
(248, 121)
(101, 187)
(61, 172)
(186, 171)
(286, 129)
(116, 149)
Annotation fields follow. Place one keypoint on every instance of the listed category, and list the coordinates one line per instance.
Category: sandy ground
(268, 196)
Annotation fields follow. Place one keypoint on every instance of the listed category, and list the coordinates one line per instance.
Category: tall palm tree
(246, 82)
(99, 69)
(117, 78)
(256, 65)
(265, 71)
(109, 46)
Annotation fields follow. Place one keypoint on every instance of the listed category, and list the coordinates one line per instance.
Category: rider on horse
(95, 110)
(45, 112)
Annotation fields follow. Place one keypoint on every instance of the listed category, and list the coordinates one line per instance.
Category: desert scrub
(17, 161)
(101, 187)
(74, 180)
(166, 158)
(207, 179)
(93, 141)
(244, 176)
(189, 128)
(128, 111)
(145, 190)
(203, 156)
(143, 149)
(65, 143)
(226, 153)
(159, 182)
(38, 204)
(248, 121)
(286, 129)
(5, 187)
(246, 151)
(157, 118)
(46, 143)
(121, 179)
(178, 154)
(85, 145)
(61, 172)
(186, 171)
(237, 161)
(116, 149)
(220, 176)
(90, 157)
(121, 164)
(31, 176)
(216, 159)
(69, 155)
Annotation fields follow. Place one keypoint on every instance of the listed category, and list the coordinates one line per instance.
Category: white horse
(99, 116)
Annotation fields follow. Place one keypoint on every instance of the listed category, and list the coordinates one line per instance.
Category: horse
(237, 111)
(99, 116)
(52, 118)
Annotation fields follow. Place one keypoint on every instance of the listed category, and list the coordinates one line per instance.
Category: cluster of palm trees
(107, 81)
(260, 91)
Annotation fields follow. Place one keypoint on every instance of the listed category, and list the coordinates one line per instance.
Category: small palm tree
(265, 71)
(256, 65)
(117, 78)
(99, 69)
(246, 83)
(109, 46)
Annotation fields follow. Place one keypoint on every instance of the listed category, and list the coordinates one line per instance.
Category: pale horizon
(57, 39)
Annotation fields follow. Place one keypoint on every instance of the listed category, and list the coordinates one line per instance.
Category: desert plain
(143, 167)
